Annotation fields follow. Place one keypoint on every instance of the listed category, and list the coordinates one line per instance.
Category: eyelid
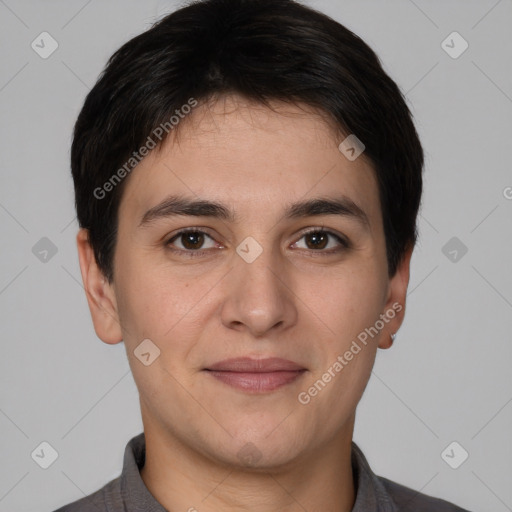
(322, 229)
(343, 241)
(197, 229)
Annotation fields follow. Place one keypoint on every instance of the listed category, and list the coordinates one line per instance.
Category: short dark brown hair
(263, 50)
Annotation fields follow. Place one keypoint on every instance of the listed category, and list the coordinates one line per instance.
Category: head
(226, 119)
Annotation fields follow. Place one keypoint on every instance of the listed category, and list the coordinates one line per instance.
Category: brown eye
(193, 240)
(317, 240)
(190, 241)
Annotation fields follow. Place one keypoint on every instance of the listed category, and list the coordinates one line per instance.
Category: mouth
(256, 375)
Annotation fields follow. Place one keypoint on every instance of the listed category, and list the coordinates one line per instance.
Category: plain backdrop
(446, 379)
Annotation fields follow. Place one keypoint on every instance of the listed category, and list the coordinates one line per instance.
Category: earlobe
(99, 292)
(395, 304)
(386, 341)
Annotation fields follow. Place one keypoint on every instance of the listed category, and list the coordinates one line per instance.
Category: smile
(257, 382)
(256, 375)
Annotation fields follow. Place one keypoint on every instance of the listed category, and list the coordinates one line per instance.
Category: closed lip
(252, 365)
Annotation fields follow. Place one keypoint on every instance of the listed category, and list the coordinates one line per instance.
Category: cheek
(347, 301)
(356, 301)
(148, 297)
(166, 307)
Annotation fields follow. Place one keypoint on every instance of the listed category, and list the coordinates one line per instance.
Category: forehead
(251, 157)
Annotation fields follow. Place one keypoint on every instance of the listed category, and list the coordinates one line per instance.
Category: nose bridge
(256, 271)
(257, 296)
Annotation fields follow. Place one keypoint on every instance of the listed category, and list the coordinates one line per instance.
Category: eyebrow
(173, 206)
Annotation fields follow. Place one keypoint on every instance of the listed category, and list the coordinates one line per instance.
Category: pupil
(193, 240)
(318, 239)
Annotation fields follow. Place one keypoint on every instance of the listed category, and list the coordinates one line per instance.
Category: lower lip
(257, 382)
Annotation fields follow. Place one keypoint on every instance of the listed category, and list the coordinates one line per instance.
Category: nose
(258, 299)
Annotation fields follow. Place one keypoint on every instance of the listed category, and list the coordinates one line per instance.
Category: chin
(262, 449)
(259, 457)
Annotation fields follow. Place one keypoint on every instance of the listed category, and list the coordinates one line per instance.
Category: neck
(181, 479)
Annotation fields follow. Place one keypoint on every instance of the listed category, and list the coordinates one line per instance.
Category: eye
(191, 240)
(322, 241)
(195, 242)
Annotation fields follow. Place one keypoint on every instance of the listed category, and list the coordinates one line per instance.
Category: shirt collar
(370, 492)
(134, 492)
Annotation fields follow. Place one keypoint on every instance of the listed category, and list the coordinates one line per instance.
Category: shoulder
(409, 500)
(106, 499)
(381, 494)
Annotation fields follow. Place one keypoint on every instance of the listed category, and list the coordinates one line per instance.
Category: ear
(100, 293)
(395, 303)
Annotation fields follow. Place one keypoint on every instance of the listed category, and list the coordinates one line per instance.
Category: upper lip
(251, 365)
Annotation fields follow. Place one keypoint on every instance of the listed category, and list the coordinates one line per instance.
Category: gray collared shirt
(128, 493)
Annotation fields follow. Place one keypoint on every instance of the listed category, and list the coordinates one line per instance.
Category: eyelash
(201, 252)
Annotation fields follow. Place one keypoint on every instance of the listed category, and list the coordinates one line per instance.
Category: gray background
(448, 375)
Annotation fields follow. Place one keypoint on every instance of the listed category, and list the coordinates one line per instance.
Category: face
(268, 310)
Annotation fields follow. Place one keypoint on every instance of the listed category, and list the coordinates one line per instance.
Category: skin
(294, 301)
